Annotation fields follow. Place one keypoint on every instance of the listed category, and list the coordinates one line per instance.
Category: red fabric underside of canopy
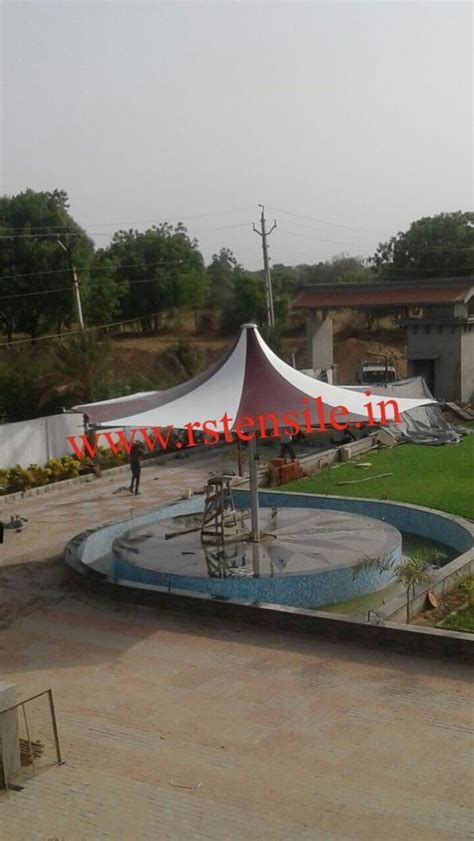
(265, 391)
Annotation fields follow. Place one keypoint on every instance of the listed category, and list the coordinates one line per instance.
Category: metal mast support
(255, 514)
(266, 266)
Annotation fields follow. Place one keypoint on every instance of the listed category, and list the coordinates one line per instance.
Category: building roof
(389, 294)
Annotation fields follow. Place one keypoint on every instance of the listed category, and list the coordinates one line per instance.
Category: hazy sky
(357, 114)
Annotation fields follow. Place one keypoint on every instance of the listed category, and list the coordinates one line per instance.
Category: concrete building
(438, 316)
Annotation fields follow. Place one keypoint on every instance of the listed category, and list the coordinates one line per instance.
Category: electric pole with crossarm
(266, 265)
(75, 284)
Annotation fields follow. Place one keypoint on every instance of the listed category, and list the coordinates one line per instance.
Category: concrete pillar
(10, 763)
(467, 363)
(319, 334)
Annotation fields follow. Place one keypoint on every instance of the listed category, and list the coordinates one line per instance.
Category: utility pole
(75, 285)
(266, 266)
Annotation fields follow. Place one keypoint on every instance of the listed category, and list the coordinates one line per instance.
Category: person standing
(136, 452)
(286, 442)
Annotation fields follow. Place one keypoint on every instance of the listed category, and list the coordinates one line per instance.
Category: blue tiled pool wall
(100, 541)
(437, 527)
(299, 590)
(314, 590)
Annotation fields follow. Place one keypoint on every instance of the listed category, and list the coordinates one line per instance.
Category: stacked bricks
(287, 471)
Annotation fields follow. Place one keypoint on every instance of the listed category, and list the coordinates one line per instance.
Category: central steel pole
(255, 514)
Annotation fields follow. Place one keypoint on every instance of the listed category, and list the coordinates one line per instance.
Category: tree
(35, 271)
(159, 269)
(273, 337)
(434, 246)
(247, 303)
(411, 572)
(179, 363)
(35, 282)
(21, 386)
(286, 281)
(341, 268)
(220, 273)
(103, 289)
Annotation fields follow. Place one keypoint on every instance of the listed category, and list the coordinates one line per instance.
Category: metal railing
(34, 749)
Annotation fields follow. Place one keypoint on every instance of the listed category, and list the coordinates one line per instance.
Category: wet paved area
(175, 727)
(55, 517)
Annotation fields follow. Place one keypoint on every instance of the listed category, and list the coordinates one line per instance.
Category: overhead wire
(79, 330)
(55, 232)
(324, 239)
(98, 268)
(325, 222)
(441, 247)
(66, 289)
(155, 220)
(364, 246)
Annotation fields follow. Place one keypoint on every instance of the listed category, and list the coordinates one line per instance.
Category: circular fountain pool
(307, 558)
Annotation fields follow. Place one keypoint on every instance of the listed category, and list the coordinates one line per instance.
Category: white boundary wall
(38, 440)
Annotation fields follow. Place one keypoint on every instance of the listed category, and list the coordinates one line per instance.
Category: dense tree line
(142, 275)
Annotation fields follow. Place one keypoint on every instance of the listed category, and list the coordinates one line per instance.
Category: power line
(440, 248)
(320, 231)
(74, 332)
(325, 222)
(99, 268)
(66, 289)
(139, 221)
(310, 228)
(321, 239)
(361, 243)
(54, 232)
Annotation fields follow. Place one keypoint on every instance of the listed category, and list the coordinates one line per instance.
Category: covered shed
(438, 316)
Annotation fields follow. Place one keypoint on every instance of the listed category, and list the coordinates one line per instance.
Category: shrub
(19, 479)
(39, 475)
(57, 469)
(179, 362)
(106, 458)
(70, 467)
(55, 466)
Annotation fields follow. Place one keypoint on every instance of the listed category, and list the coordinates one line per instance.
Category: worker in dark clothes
(136, 452)
(286, 445)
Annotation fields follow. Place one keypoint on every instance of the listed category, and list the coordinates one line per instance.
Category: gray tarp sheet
(425, 425)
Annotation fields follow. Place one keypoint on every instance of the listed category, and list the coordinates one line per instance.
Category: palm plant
(411, 572)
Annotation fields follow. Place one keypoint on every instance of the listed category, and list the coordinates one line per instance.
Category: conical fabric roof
(248, 381)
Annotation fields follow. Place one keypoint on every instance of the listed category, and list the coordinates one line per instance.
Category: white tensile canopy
(251, 382)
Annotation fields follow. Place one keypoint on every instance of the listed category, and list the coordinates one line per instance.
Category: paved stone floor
(179, 727)
(55, 517)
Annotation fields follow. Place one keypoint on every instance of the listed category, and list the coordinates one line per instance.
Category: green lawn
(438, 477)
(462, 620)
